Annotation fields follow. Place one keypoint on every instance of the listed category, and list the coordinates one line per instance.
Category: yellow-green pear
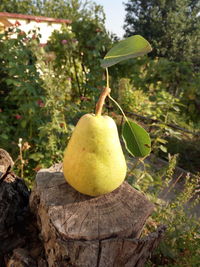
(94, 163)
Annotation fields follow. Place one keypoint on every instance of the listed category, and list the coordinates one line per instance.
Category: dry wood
(14, 198)
(78, 230)
(17, 225)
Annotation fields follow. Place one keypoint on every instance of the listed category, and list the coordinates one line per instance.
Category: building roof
(32, 17)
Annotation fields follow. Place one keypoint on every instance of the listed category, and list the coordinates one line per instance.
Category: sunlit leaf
(131, 47)
(163, 148)
(136, 139)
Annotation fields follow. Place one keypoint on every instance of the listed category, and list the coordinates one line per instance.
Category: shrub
(131, 99)
(180, 246)
(20, 88)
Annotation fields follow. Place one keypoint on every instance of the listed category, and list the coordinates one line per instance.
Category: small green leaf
(36, 156)
(148, 177)
(4, 136)
(23, 123)
(131, 47)
(163, 141)
(163, 148)
(136, 139)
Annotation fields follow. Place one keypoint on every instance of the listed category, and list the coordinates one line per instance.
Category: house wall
(26, 25)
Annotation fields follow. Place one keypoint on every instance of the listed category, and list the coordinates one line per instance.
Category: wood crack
(99, 254)
(83, 222)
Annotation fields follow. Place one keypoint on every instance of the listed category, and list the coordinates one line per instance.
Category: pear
(94, 163)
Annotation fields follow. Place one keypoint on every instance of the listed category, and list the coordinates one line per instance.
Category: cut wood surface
(78, 230)
(121, 213)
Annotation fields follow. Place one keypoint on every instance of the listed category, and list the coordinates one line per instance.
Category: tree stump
(78, 230)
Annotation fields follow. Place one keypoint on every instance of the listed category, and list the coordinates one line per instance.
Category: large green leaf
(131, 47)
(136, 139)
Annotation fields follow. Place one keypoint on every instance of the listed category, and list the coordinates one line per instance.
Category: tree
(171, 26)
(18, 6)
(68, 9)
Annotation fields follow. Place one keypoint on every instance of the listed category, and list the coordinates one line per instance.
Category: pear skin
(94, 163)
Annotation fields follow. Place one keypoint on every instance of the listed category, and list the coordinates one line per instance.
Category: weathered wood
(128, 252)
(78, 230)
(21, 258)
(5, 161)
(6, 164)
(17, 225)
(14, 200)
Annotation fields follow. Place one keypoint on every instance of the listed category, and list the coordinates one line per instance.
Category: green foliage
(165, 110)
(131, 47)
(79, 56)
(74, 10)
(20, 85)
(53, 133)
(180, 246)
(188, 149)
(20, 6)
(67, 9)
(136, 139)
(90, 50)
(160, 107)
(46, 89)
(131, 99)
(61, 48)
(178, 79)
(172, 26)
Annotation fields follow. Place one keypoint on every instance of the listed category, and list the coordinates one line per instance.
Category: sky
(115, 15)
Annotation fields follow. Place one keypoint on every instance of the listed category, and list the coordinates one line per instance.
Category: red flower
(17, 23)
(40, 103)
(18, 117)
(64, 42)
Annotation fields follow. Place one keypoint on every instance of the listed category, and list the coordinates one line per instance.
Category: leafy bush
(161, 75)
(45, 89)
(133, 100)
(21, 88)
(180, 246)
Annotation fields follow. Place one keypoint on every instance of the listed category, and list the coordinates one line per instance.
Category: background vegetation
(45, 90)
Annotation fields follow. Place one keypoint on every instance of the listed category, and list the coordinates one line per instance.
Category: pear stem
(107, 78)
(99, 106)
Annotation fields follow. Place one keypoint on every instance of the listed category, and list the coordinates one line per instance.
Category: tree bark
(14, 198)
(19, 243)
(78, 230)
